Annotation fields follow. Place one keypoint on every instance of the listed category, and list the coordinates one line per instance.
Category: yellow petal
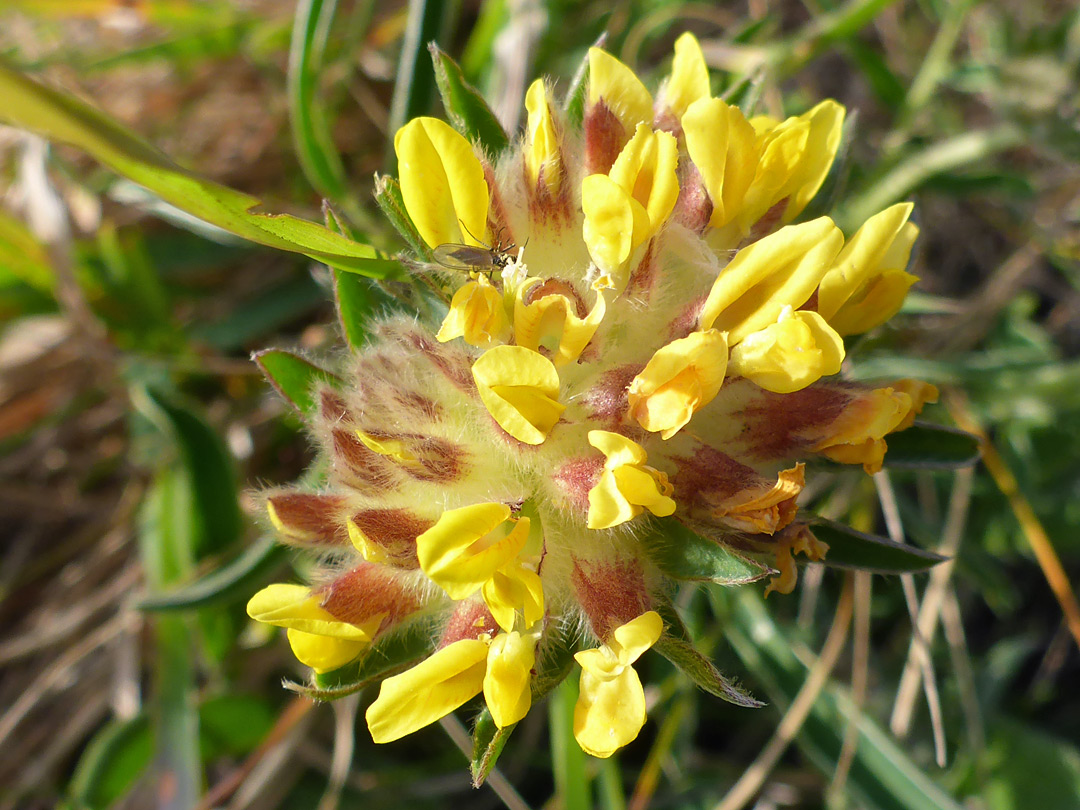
(627, 486)
(780, 270)
(617, 449)
(632, 639)
(609, 713)
(466, 546)
(867, 284)
(442, 183)
(477, 314)
(689, 79)
(506, 684)
(551, 320)
(387, 446)
(520, 389)
(612, 217)
(610, 710)
(723, 146)
(826, 121)
(857, 435)
(680, 379)
(620, 89)
(761, 508)
(797, 350)
(542, 156)
(646, 170)
(294, 607)
(323, 653)
(511, 589)
(796, 156)
(429, 691)
(372, 552)
(920, 393)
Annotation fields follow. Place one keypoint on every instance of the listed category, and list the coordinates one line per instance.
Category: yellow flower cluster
(659, 345)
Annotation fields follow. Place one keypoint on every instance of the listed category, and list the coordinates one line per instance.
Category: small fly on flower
(475, 258)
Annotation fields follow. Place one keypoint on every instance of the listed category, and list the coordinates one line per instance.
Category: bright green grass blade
(64, 118)
(315, 147)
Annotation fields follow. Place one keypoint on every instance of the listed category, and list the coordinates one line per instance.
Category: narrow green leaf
(294, 377)
(388, 196)
(852, 549)
(209, 466)
(683, 554)
(24, 256)
(488, 743)
(167, 542)
(59, 116)
(882, 775)
(574, 102)
(111, 763)
(676, 646)
(468, 111)
(355, 303)
(232, 581)
(925, 445)
(567, 759)
(414, 89)
(554, 659)
(315, 147)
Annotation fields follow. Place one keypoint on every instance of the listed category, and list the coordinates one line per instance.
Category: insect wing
(464, 257)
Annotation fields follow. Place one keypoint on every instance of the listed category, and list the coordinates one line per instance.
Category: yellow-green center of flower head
(650, 335)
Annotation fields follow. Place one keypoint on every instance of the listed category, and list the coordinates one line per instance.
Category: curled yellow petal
(689, 79)
(646, 170)
(786, 356)
(543, 158)
(442, 183)
(724, 147)
(612, 217)
(761, 508)
(520, 389)
(513, 588)
(858, 435)
(551, 319)
(429, 691)
(680, 379)
(627, 486)
(297, 608)
(778, 271)
(619, 88)
(867, 284)
(477, 313)
(796, 155)
(610, 709)
(466, 546)
(506, 683)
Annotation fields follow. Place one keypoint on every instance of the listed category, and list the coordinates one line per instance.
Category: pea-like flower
(661, 346)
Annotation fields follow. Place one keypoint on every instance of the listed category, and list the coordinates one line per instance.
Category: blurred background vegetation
(133, 423)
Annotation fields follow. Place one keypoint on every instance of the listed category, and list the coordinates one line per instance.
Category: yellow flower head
(660, 346)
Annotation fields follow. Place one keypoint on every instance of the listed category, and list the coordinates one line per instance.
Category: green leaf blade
(683, 554)
(294, 377)
(849, 548)
(468, 110)
(928, 446)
